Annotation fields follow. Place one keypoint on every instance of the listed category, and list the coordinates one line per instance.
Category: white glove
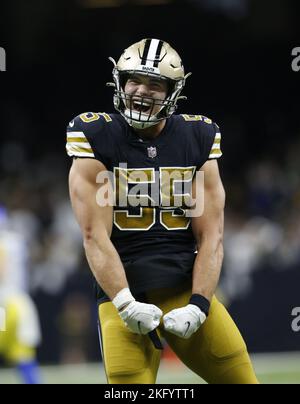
(185, 321)
(140, 318)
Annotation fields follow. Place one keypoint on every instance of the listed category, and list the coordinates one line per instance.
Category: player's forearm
(106, 266)
(207, 267)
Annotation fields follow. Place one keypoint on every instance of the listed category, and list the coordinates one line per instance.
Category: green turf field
(270, 368)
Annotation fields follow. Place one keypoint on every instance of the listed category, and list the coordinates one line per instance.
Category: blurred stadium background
(240, 54)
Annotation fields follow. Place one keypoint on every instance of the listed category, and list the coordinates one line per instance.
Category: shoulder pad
(209, 133)
(77, 142)
(81, 132)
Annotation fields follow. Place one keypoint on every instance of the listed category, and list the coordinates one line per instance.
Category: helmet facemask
(142, 116)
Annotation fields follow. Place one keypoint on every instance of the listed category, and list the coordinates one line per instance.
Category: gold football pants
(12, 348)
(216, 352)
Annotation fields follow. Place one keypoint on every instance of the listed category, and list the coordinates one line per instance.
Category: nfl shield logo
(152, 152)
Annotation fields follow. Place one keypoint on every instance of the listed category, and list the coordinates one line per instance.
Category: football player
(141, 250)
(21, 334)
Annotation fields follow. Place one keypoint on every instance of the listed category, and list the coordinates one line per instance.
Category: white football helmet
(150, 57)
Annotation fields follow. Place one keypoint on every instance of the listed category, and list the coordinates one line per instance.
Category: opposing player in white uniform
(20, 329)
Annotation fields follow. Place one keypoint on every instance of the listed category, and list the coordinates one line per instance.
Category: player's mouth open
(141, 106)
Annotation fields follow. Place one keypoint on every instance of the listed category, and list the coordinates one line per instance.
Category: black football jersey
(151, 232)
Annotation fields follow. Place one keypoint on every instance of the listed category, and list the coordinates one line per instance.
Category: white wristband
(123, 298)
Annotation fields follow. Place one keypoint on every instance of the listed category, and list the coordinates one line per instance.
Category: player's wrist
(201, 302)
(123, 299)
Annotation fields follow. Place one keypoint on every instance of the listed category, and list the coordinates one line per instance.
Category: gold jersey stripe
(75, 134)
(77, 140)
(79, 151)
(216, 147)
(215, 151)
(84, 145)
